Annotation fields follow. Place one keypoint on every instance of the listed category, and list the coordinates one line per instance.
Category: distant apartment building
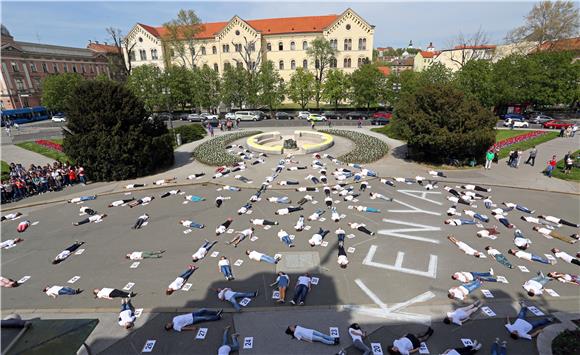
(284, 41)
(25, 64)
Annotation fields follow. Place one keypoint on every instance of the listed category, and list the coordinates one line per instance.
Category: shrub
(108, 132)
(213, 152)
(441, 123)
(568, 342)
(190, 133)
(367, 149)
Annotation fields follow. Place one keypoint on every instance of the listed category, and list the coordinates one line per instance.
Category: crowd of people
(38, 179)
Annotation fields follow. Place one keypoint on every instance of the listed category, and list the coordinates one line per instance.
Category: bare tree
(547, 22)
(321, 52)
(180, 40)
(121, 64)
(466, 48)
(250, 61)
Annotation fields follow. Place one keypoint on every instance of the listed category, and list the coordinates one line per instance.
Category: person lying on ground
(465, 248)
(351, 196)
(194, 198)
(465, 350)
(10, 243)
(140, 221)
(282, 281)
(287, 210)
(565, 278)
(220, 200)
(202, 251)
(127, 316)
(279, 199)
(225, 268)
(134, 186)
(195, 176)
(185, 322)
(456, 200)
(437, 173)
(172, 180)
(257, 256)
(565, 256)
(304, 199)
(335, 216)
(141, 201)
(474, 188)
(535, 285)
(524, 328)
(554, 234)
(299, 226)
(55, 291)
(559, 221)
(97, 218)
(342, 259)
(409, 343)
(288, 182)
(361, 227)
(285, 238)
(304, 189)
(499, 257)
(191, 224)
(310, 335)
(8, 283)
(468, 276)
(263, 222)
(511, 206)
(462, 291)
(318, 237)
(241, 235)
(303, 286)
(459, 221)
(245, 209)
(452, 211)
(473, 195)
(375, 195)
(87, 210)
(488, 203)
(502, 219)
(82, 199)
(226, 348)
(462, 314)
(67, 252)
(520, 241)
(231, 188)
(316, 215)
(387, 182)
(476, 215)
(328, 201)
(11, 216)
(357, 335)
(367, 209)
(227, 294)
(452, 191)
(23, 226)
(531, 257)
(140, 255)
(537, 221)
(224, 226)
(179, 281)
(295, 168)
(110, 293)
(170, 193)
(121, 202)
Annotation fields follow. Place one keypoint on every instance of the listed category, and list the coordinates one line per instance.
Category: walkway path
(13, 153)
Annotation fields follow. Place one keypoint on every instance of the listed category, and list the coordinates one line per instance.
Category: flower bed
(213, 152)
(517, 139)
(367, 148)
(49, 144)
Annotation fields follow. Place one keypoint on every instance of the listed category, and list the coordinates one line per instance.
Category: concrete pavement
(13, 153)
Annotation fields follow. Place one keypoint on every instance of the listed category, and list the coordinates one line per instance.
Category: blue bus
(25, 115)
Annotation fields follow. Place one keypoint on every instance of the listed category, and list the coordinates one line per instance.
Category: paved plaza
(396, 281)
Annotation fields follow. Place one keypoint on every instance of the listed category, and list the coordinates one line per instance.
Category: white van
(247, 116)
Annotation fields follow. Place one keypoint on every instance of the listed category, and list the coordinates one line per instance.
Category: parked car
(557, 124)
(382, 114)
(230, 116)
(540, 119)
(261, 114)
(332, 115)
(59, 117)
(513, 116)
(355, 115)
(316, 117)
(247, 116)
(303, 115)
(516, 123)
(380, 121)
(283, 116)
(194, 117)
(183, 116)
(206, 115)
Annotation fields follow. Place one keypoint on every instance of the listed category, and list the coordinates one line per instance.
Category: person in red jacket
(551, 166)
(72, 176)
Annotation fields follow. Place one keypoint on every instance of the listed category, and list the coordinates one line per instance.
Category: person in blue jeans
(499, 349)
(524, 328)
(310, 335)
(461, 291)
(82, 199)
(226, 347)
(529, 256)
(227, 294)
(186, 321)
(225, 268)
(54, 291)
(303, 286)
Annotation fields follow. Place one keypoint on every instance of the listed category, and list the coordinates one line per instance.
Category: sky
(74, 23)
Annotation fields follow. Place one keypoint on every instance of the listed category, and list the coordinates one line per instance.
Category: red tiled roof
(102, 48)
(569, 44)
(385, 70)
(265, 26)
(427, 54)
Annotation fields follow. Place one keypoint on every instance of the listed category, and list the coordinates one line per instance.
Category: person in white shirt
(304, 189)
(202, 251)
(263, 222)
(299, 226)
(287, 210)
(246, 233)
(466, 350)
(357, 335)
(520, 241)
(565, 278)
(285, 238)
(140, 255)
(87, 210)
(170, 193)
(228, 347)
(554, 234)
(257, 256)
(318, 237)
(535, 285)
(316, 215)
(462, 314)
(456, 200)
(511, 206)
(342, 259)
(94, 219)
(531, 257)
(334, 215)
(224, 226)
(141, 201)
(82, 199)
(465, 248)
(490, 233)
(375, 195)
(195, 176)
(476, 215)
(55, 291)
(310, 335)
(474, 188)
(535, 220)
(67, 252)
(225, 268)
(461, 291)
(245, 209)
(410, 343)
(468, 276)
(178, 283)
(524, 328)
(328, 201)
(499, 257)
(127, 314)
(279, 199)
(134, 186)
(165, 181)
(559, 221)
(566, 257)
(304, 199)
(11, 216)
(121, 202)
(303, 286)
(110, 293)
(142, 219)
(220, 200)
(9, 243)
(459, 221)
(282, 280)
(185, 322)
(361, 227)
(452, 211)
(191, 224)
(227, 294)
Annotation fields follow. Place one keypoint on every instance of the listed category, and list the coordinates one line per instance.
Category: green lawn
(5, 170)
(47, 152)
(527, 144)
(502, 134)
(574, 173)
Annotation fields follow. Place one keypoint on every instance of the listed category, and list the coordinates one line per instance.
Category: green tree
(56, 90)
(146, 82)
(435, 74)
(321, 53)
(271, 93)
(110, 135)
(207, 88)
(440, 122)
(180, 39)
(555, 78)
(336, 87)
(301, 88)
(366, 85)
(476, 78)
(177, 83)
(234, 88)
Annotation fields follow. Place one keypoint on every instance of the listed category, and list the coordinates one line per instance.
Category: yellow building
(284, 41)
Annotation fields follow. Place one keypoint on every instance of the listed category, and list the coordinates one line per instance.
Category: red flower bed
(513, 140)
(49, 144)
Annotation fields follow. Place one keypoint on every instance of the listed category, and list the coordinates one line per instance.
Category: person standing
(551, 166)
(489, 158)
(532, 158)
(303, 286)
(283, 280)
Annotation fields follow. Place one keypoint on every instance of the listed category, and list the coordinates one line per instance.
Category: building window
(140, 39)
(348, 27)
(238, 47)
(347, 62)
(347, 44)
(154, 54)
(239, 65)
(305, 64)
(269, 47)
(293, 64)
(227, 65)
(213, 50)
(333, 62)
(83, 69)
(202, 50)
(74, 68)
(226, 48)
(305, 45)
(132, 56)
(14, 66)
(334, 43)
(360, 62)
(44, 67)
(281, 65)
(292, 46)
(142, 54)
(362, 44)
(216, 67)
(19, 84)
(55, 68)
(37, 83)
(65, 68)
(280, 46)
(33, 67)
(237, 32)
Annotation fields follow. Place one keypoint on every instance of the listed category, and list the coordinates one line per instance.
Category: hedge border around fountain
(367, 149)
(213, 152)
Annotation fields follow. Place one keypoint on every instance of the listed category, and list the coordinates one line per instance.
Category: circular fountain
(301, 142)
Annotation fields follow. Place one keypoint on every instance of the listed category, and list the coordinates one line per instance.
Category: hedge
(190, 133)
(367, 149)
(213, 152)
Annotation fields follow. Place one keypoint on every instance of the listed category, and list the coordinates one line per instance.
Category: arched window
(305, 64)
(216, 67)
(213, 50)
(333, 62)
(280, 46)
(226, 48)
(292, 46)
(334, 43)
(240, 65)
(347, 44)
(227, 65)
(269, 46)
(281, 65)
(317, 64)
(360, 62)
(347, 62)
(364, 44)
(293, 64)
(202, 50)
(154, 54)
(305, 45)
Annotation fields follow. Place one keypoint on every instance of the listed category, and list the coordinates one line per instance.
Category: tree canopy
(57, 89)
(301, 88)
